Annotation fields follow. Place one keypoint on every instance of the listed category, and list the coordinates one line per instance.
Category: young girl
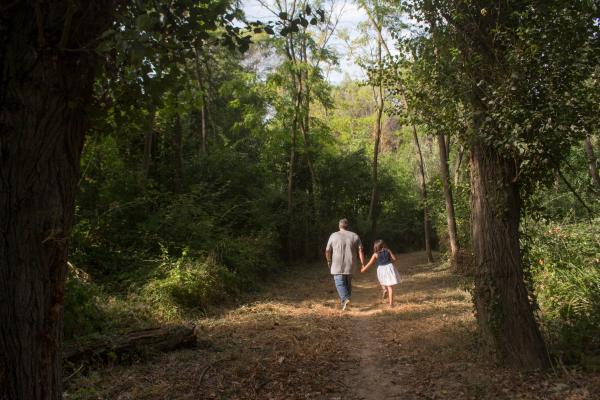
(387, 274)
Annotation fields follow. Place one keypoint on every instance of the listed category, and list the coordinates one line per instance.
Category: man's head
(343, 224)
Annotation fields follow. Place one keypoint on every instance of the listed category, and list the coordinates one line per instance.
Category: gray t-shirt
(345, 245)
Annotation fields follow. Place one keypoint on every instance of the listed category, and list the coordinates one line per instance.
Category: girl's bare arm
(392, 255)
(370, 263)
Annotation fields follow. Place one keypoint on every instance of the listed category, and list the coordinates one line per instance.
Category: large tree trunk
(445, 176)
(503, 310)
(423, 186)
(592, 163)
(46, 84)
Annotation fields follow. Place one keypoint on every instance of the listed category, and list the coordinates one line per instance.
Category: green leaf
(283, 15)
(145, 22)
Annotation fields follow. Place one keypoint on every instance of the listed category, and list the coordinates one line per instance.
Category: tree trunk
(445, 176)
(373, 206)
(44, 91)
(148, 142)
(504, 313)
(203, 107)
(423, 186)
(592, 163)
(290, 188)
(457, 165)
(176, 142)
(204, 138)
(315, 247)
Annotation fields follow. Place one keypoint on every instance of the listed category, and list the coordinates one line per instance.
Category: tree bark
(423, 187)
(176, 143)
(451, 219)
(592, 163)
(504, 313)
(45, 87)
(148, 142)
(290, 188)
(203, 108)
(374, 204)
(313, 246)
(457, 165)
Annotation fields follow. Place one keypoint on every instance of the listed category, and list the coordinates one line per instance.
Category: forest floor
(291, 341)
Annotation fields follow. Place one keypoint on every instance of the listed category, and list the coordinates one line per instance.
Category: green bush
(186, 283)
(82, 313)
(564, 264)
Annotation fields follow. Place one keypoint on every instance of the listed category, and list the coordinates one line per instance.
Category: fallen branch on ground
(119, 348)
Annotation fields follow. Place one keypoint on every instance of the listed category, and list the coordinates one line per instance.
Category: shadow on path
(293, 342)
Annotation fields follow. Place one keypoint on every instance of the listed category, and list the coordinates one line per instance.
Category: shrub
(82, 313)
(564, 263)
(186, 284)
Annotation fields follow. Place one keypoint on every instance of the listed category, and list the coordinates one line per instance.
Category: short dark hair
(344, 223)
(378, 245)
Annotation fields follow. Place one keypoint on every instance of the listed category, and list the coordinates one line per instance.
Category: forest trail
(291, 341)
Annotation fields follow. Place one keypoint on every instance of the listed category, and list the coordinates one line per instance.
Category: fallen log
(130, 345)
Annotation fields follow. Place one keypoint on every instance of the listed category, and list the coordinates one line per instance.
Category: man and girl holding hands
(343, 252)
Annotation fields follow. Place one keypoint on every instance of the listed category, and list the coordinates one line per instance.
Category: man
(343, 252)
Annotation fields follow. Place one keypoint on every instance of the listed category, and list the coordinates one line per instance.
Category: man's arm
(361, 255)
(328, 255)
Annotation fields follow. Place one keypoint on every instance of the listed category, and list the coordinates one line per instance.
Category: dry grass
(292, 342)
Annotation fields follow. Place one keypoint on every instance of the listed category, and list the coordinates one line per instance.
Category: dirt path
(293, 342)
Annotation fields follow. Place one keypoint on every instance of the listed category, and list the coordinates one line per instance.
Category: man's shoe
(345, 304)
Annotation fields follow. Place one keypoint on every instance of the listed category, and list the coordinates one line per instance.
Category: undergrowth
(564, 265)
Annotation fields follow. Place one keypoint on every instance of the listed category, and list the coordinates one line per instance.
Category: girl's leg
(390, 290)
(383, 292)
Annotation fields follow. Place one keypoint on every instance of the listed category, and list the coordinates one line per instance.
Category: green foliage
(83, 310)
(564, 263)
(186, 283)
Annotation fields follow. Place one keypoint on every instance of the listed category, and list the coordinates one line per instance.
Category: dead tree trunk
(451, 219)
(423, 187)
(592, 163)
(155, 339)
(45, 89)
